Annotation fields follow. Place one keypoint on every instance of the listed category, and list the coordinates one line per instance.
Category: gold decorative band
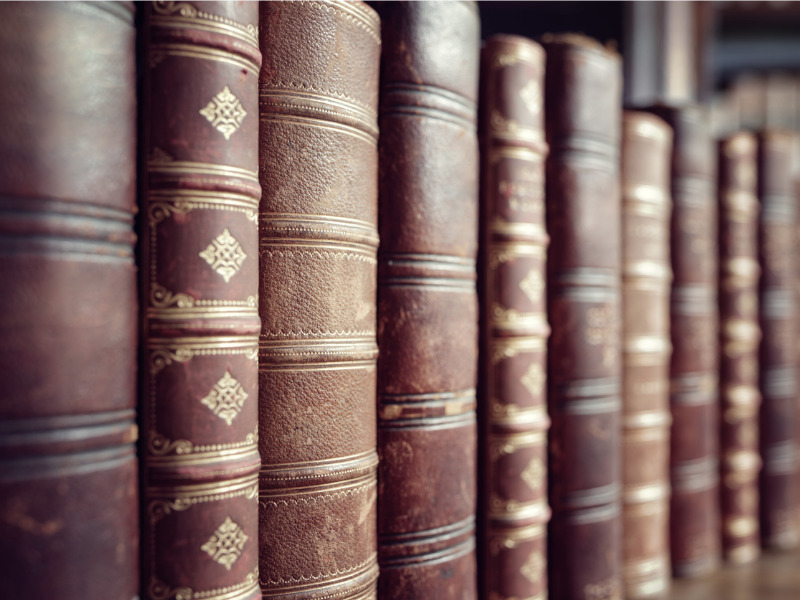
(165, 351)
(505, 509)
(185, 15)
(509, 443)
(163, 164)
(162, 204)
(515, 152)
(163, 452)
(639, 494)
(158, 590)
(164, 500)
(299, 102)
(741, 526)
(506, 55)
(651, 200)
(159, 51)
(520, 229)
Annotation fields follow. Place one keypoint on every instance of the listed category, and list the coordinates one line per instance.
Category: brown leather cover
(739, 338)
(646, 350)
(583, 114)
(199, 277)
(318, 246)
(694, 373)
(69, 524)
(427, 301)
(778, 377)
(514, 329)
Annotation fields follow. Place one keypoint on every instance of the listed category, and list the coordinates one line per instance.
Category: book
(739, 337)
(199, 197)
(583, 82)
(694, 371)
(69, 495)
(513, 331)
(777, 353)
(646, 350)
(318, 167)
(427, 300)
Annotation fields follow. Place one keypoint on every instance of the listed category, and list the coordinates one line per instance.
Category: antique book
(318, 166)
(583, 111)
(513, 324)
(739, 336)
(646, 349)
(694, 376)
(777, 317)
(68, 471)
(199, 197)
(427, 300)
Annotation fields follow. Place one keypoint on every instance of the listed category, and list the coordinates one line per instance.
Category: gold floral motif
(531, 96)
(533, 285)
(533, 474)
(226, 543)
(184, 9)
(533, 569)
(161, 297)
(162, 358)
(224, 112)
(225, 255)
(534, 379)
(226, 398)
(159, 509)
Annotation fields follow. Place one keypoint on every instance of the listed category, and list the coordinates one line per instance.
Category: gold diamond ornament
(226, 398)
(225, 255)
(224, 112)
(226, 544)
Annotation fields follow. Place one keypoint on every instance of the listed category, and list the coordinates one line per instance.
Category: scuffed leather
(427, 302)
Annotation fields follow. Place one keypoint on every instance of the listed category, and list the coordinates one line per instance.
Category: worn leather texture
(199, 283)
(646, 349)
(583, 83)
(694, 373)
(739, 337)
(69, 525)
(318, 167)
(427, 300)
(514, 330)
(777, 316)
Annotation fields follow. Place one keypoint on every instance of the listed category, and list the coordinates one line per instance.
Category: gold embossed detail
(161, 591)
(207, 21)
(534, 473)
(534, 379)
(225, 255)
(531, 96)
(533, 285)
(603, 330)
(164, 352)
(533, 569)
(608, 589)
(224, 112)
(226, 398)
(160, 445)
(226, 543)
(513, 538)
(161, 297)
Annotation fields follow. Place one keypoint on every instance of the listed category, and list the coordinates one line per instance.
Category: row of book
(308, 300)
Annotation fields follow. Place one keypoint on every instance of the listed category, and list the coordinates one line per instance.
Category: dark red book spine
(583, 112)
(199, 284)
(694, 372)
(777, 315)
(69, 499)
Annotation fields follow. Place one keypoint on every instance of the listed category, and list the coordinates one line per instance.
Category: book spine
(317, 296)
(694, 372)
(778, 378)
(199, 256)
(739, 338)
(68, 470)
(514, 329)
(583, 107)
(646, 350)
(427, 301)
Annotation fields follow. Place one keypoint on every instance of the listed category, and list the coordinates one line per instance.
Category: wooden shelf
(776, 576)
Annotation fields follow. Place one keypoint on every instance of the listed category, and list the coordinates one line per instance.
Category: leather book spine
(694, 372)
(513, 326)
(583, 111)
(739, 336)
(777, 316)
(427, 301)
(68, 470)
(318, 167)
(646, 350)
(199, 283)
